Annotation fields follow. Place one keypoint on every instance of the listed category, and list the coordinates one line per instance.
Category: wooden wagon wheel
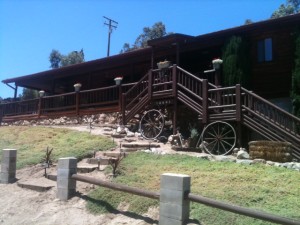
(152, 124)
(218, 138)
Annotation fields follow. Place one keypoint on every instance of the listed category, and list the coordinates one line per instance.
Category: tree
(236, 62)
(58, 60)
(156, 31)
(72, 58)
(28, 94)
(295, 93)
(55, 59)
(289, 8)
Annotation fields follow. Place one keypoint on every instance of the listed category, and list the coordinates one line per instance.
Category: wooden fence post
(204, 102)
(174, 94)
(66, 187)
(77, 102)
(150, 83)
(174, 206)
(123, 109)
(238, 109)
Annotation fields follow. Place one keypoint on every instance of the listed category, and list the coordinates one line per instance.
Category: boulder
(242, 154)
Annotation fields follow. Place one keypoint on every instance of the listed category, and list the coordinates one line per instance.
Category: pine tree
(295, 93)
(236, 62)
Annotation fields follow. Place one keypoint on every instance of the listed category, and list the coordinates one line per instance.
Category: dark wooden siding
(273, 79)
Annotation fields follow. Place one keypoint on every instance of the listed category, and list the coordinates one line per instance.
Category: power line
(111, 24)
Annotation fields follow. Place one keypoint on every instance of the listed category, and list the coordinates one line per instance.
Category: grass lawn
(31, 143)
(270, 189)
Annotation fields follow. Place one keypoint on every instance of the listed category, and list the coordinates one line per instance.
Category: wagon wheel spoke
(221, 137)
(151, 124)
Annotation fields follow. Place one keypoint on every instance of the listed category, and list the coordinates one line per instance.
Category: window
(265, 50)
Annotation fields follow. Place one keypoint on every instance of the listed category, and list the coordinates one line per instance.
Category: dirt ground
(28, 207)
(24, 206)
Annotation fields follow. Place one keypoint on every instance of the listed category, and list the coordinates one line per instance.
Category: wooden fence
(174, 195)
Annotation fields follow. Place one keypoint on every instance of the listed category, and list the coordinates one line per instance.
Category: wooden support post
(123, 108)
(120, 98)
(16, 92)
(150, 83)
(238, 109)
(77, 103)
(40, 107)
(204, 102)
(1, 114)
(174, 94)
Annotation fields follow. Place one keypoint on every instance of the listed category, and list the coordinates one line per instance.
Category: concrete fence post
(8, 166)
(174, 207)
(66, 187)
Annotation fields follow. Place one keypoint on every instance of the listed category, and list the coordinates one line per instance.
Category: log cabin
(190, 80)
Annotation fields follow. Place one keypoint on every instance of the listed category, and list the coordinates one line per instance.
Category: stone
(241, 154)
(244, 161)
(257, 161)
(235, 151)
(270, 163)
(223, 158)
(130, 134)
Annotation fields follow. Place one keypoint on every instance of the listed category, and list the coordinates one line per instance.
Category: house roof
(140, 55)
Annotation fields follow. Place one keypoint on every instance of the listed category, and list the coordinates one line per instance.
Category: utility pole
(111, 24)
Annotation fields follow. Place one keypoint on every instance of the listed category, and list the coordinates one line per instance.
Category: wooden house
(271, 58)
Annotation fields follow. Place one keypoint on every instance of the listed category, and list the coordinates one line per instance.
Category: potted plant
(41, 93)
(77, 87)
(118, 80)
(164, 64)
(217, 63)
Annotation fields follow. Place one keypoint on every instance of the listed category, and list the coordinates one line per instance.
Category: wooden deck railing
(210, 102)
(73, 102)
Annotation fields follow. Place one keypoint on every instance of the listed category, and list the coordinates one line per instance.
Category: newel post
(77, 103)
(174, 93)
(238, 109)
(174, 206)
(120, 98)
(204, 101)
(123, 108)
(150, 83)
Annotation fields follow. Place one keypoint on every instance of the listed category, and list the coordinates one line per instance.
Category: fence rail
(191, 197)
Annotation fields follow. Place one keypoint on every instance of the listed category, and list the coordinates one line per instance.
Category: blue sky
(30, 29)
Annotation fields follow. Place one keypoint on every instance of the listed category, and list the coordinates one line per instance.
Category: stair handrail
(292, 119)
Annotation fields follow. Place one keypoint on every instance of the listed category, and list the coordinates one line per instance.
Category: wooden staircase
(213, 103)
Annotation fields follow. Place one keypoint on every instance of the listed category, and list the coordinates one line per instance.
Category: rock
(26, 123)
(130, 134)
(121, 130)
(270, 163)
(235, 151)
(223, 158)
(242, 154)
(257, 161)
(244, 161)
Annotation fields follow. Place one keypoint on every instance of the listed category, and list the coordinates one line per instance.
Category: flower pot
(77, 87)
(118, 80)
(163, 65)
(217, 63)
(41, 93)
